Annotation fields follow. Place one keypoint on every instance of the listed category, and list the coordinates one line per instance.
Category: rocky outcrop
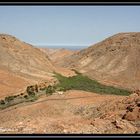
(133, 107)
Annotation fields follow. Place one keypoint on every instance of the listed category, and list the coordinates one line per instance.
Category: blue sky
(68, 25)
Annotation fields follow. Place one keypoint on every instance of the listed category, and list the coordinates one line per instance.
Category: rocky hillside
(113, 61)
(21, 57)
(21, 63)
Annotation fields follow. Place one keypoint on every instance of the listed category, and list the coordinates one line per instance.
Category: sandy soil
(54, 114)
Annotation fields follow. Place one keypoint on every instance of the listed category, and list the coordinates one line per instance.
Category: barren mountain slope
(113, 61)
(10, 83)
(21, 64)
(22, 57)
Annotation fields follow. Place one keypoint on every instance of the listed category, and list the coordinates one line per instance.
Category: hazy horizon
(69, 47)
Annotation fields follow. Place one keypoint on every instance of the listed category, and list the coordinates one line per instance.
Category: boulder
(133, 115)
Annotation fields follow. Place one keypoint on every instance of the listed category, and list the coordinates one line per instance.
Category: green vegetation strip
(80, 82)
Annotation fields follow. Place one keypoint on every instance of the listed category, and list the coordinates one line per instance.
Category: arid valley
(95, 90)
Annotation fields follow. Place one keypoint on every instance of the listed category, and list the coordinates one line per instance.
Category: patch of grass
(80, 82)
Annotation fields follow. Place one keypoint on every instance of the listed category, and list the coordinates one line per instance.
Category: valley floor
(74, 111)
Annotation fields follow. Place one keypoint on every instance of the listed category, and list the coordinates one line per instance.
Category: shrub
(30, 91)
(2, 102)
(15, 96)
(50, 89)
(9, 98)
(36, 88)
(26, 96)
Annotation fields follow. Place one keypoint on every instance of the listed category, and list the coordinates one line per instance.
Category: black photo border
(68, 3)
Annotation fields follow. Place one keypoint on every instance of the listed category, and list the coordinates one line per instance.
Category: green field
(80, 82)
